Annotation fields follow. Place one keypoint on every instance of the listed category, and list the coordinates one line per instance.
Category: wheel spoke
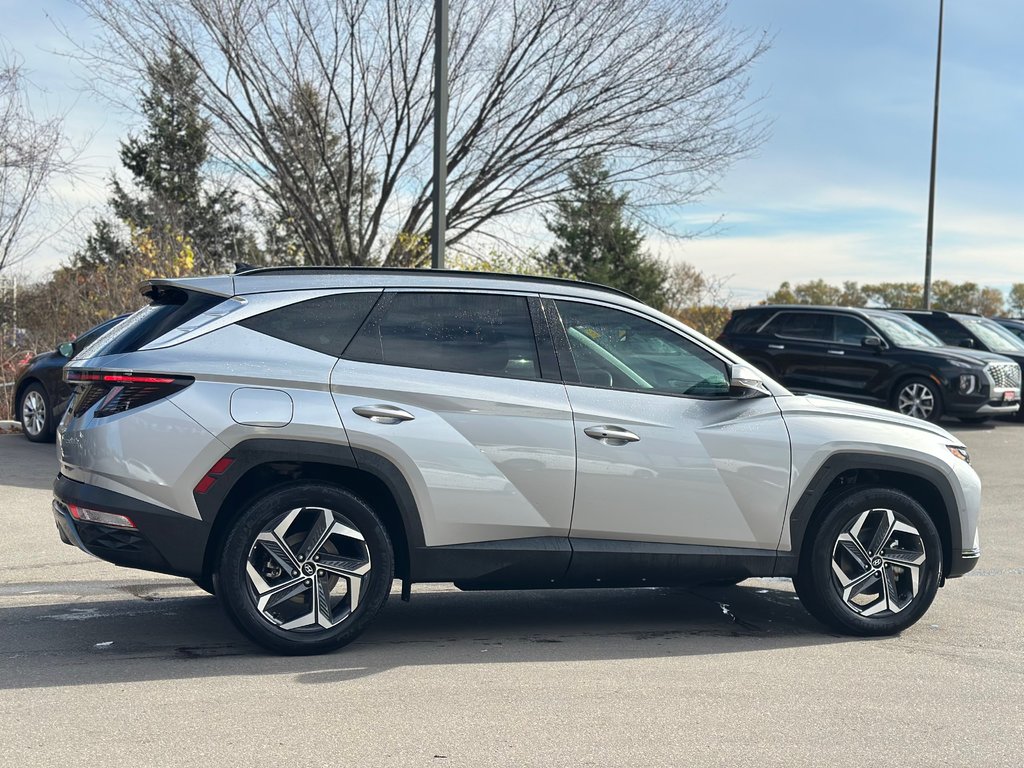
(324, 614)
(276, 547)
(317, 535)
(852, 546)
(882, 533)
(271, 595)
(899, 557)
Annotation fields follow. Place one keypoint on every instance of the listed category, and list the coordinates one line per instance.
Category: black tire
(36, 414)
(905, 393)
(820, 589)
(237, 592)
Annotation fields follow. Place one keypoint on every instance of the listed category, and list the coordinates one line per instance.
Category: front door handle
(837, 352)
(776, 346)
(383, 414)
(611, 435)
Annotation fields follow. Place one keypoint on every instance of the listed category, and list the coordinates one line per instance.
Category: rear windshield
(168, 310)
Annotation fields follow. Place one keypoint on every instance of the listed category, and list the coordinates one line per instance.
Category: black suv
(971, 331)
(874, 356)
(1014, 325)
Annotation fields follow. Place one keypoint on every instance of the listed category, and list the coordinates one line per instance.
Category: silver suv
(295, 439)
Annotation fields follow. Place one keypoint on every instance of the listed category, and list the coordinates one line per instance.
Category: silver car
(295, 439)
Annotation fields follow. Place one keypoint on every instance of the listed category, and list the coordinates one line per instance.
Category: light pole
(931, 183)
(437, 229)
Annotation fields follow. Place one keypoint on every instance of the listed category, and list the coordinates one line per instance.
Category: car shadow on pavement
(144, 638)
(27, 465)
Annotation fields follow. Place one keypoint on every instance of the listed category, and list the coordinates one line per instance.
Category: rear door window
(486, 334)
(813, 326)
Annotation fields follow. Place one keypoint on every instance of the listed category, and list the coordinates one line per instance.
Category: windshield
(993, 335)
(904, 332)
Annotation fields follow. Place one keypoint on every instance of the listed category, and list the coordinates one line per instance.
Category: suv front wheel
(305, 569)
(872, 563)
(920, 398)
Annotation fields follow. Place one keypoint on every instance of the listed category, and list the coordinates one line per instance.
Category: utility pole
(438, 225)
(931, 184)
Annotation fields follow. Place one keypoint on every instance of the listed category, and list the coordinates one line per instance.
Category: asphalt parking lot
(105, 666)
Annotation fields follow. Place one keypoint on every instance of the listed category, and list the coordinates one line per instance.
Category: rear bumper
(162, 540)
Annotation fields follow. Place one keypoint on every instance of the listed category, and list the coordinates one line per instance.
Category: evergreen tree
(170, 206)
(594, 240)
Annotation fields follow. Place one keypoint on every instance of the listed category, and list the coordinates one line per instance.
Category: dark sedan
(40, 393)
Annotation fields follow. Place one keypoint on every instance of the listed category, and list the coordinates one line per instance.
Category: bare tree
(657, 86)
(698, 299)
(31, 153)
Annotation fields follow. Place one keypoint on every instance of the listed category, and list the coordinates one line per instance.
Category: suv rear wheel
(305, 569)
(36, 414)
(872, 564)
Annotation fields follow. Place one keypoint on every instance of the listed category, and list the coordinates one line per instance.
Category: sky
(839, 189)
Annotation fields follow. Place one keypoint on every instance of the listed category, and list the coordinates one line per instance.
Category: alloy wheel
(33, 413)
(877, 562)
(916, 400)
(306, 569)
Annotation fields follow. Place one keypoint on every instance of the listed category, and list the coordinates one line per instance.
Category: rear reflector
(103, 518)
(212, 476)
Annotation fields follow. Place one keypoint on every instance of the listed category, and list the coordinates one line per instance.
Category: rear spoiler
(215, 285)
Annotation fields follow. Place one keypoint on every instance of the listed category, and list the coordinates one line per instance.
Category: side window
(617, 349)
(850, 330)
(813, 326)
(325, 324)
(488, 334)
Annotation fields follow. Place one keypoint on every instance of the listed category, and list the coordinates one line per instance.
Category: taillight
(119, 392)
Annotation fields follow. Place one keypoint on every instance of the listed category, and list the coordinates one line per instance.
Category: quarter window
(617, 349)
(488, 334)
(325, 324)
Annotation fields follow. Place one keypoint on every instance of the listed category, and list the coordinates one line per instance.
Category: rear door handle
(610, 435)
(837, 352)
(383, 414)
(776, 346)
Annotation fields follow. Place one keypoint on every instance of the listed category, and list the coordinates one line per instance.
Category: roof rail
(413, 271)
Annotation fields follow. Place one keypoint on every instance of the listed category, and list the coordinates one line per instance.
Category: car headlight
(968, 383)
(959, 363)
(960, 452)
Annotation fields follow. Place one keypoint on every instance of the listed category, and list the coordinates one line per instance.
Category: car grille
(1005, 374)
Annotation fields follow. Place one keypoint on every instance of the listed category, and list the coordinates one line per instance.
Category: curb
(10, 427)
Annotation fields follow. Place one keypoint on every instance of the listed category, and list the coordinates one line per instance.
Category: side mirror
(968, 343)
(745, 382)
(67, 349)
(871, 341)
